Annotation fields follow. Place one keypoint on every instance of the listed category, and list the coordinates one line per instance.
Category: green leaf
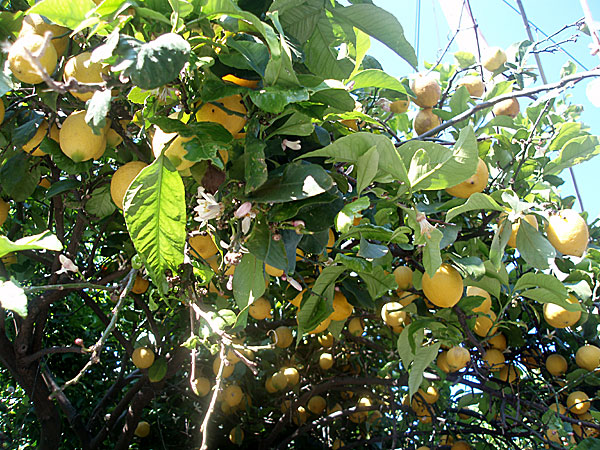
(470, 266)
(297, 125)
(316, 212)
(298, 181)
(345, 217)
(262, 245)
(366, 169)
(375, 78)
(211, 131)
(154, 209)
(589, 443)
(249, 56)
(433, 166)
(378, 233)
(476, 202)
(501, 237)
(255, 169)
(371, 251)
(100, 203)
(464, 59)
(68, 14)
(274, 100)
(97, 110)
(155, 63)
(13, 298)
(157, 370)
(350, 148)
(362, 45)
(378, 282)
(18, 177)
(576, 151)
(533, 247)
(545, 289)
(248, 284)
(566, 132)
(424, 356)
(432, 258)
(6, 84)
(42, 241)
(379, 24)
(300, 17)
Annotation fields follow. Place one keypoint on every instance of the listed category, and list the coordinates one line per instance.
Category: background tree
(222, 229)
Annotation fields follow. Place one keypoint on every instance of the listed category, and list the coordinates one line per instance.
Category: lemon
(558, 317)
(392, 314)
(326, 361)
(461, 445)
(425, 120)
(356, 326)
(260, 309)
(445, 288)
(82, 69)
(568, 232)
(400, 106)
(350, 123)
(509, 107)
(403, 277)
(142, 357)
(442, 362)
(241, 81)
(279, 380)
(269, 386)
(337, 444)
(2, 110)
(232, 357)
(558, 408)
(486, 305)
(203, 246)
(530, 219)
(122, 179)
(35, 24)
(330, 239)
(227, 368)
(283, 337)
(493, 58)
(427, 91)
(588, 357)
(585, 432)
(236, 435)
(457, 358)
(77, 140)
(578, 402)
(430, 395)
(301, 416)
(494, 359)
(321, 327)
(361, 416)
(474, 85)
(175, 151)
(142, 429)
(498, 342)
(45, 183)
(233, 395)
(556, 364)
(316, 404)
(326, 340)
(4, 208)
(54, 133)
(292, 375)
(405, 298)
(232, 122)
(140, 285)
(477, 183)
(483, 324)
(20, 64)
(32, 146)
(508, 374)
(341, 308)
(201, 386)
(273, 271)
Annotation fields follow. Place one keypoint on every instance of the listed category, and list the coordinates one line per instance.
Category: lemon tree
(224, 225)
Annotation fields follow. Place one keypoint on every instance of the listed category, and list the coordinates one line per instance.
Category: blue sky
(502, 26)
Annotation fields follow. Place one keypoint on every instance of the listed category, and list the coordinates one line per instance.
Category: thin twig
(213, 400)
(68, 286)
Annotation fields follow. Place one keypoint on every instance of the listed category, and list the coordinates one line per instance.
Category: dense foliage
(222, 227)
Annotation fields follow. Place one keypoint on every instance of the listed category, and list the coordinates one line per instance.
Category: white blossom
(245, 213)
(293, 145)
(208, 207)
(66, 265)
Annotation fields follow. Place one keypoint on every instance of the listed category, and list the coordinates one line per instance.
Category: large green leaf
(576, 151)
(66, 13)
(379, 24)
(42, 241)
(13, 298)
(534, 248)
(248, 283)
(545, 289)
(299, 17)
(298, 124)
(274, 100)
(255, 167)
(154, 209)
(424, 356)
(19, 177)
(263, 245)
(376, 78)
(378, 282)
(566, 132)
(476, 202)
(433, 166)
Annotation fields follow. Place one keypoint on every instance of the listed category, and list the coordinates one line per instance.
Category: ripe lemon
(494, 359)
(273, 271)
(2, 110)
(493, 58)
(321, 327)
(269, 386)
(241, 81)
(474, 85)
(316, 404)
(400, 106)
(392, 314)
(35, 24)
(54, 133)
(486, 305)
(405, 298)
(461, 445)
(32, 146)
(20, 64)
(430, 395)
(477, 183)
(498, 342)
(558, 408)
(529, 218)
(558, 317)
(301, 416)
(142, 357)
(578, 402)
(283, 337)
(142, 429)
(45, 183)
(361, 416)
(201, 386)
(232, 357)
(175, 151)
(509, 107)
(77, 140)
(457, 358)
(403, 277)
(427, 91)
(483, 324)
(445, 288)
(279, 380)
(508, 374)
(337, 444)
(326, 340)
(568, 232)
(233, 395)
(330, 239)
(227, 368)
(260, 309)
(326, 361)
(82, 69)
(140, 285)
(232, 122)
(585, 432)
(341, 308)
(292, 375)
(203, 246)
(425, 120)
(588, 357)
(121, 180)
(4, 208)
(356, 326)
(236, 435)
(556, 364)
(442, 362)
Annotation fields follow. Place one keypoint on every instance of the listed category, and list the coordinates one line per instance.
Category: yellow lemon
(509, 107)
(556, 364)
(232, 122)
(486, 305)
(568, 232)
(405, 298)
(442, 362)
(508, 374)
(2, 110)
(477, 182)
(356, 326)
(341, 308)
(273, 271)
(292, 375)
(326, 361)
(241, 81)
(403, 277)
(175, 151)
(558, 317)
(233, 395)
(445, 288)
(494, 359)
(32, 146)
(392, 314)
(530, 219)
(461, 445)
(316, 404)
(4, 208)
(326, 340)
(483, 324)
(201, 386)
(142, 429)
(78, 141)
(457, 358)
(35, 24)
(474, 85)
(399, 106)
(284, 337)
(430, 395)
(493, 58)
(260, 309)
(203, 246)
(142, 357)
(140, 285)
(498, 342)
(81, 68)
(425, 120)
(588, 357)
(427, 91)
(279, 380)
(227, 368)
(20, 64)
(578, 402)
(236, 435)
(121, 180)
